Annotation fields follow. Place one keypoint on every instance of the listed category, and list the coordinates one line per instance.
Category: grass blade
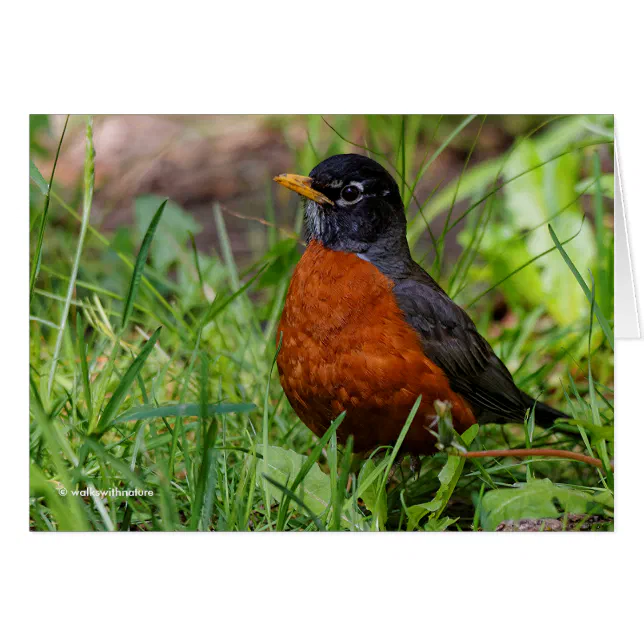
(297, 500)
(205, 472)
(390, 460)
(82, 355)
(455, 132)
(87, 206)
(604, 241)
(70, 511)
(182, 410)
(130, 264)
(217, 307)
(603, 449)
(306, 468)
(43, 222)
(345, 468)
(107, 417)
(603, 323)
(519, 269)
(141, 259)
(265, 437)
(226, 248)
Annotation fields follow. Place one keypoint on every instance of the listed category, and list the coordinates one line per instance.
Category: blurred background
(199, 160)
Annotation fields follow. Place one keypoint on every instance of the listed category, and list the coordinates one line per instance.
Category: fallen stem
(561, 453)
(288, 232)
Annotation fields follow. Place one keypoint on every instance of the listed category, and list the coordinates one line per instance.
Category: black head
(352, 204)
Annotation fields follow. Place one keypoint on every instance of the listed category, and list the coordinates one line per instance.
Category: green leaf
(283, 466)
(606, 186)
(64, 508)
(71, 512)
(265, 445)
(368, 485)
(205, 479)
(82, 356)
(605, 241)
(608, 332)
(598, 432)
(292, 497)
(457, 130)
(525, 197)
(226, 247)
(390, 459)
(88, 196)
(439, 525)
(532, 200)
(551, 141)
(525, 283)
(341, 484)
(217, 306)
(537, 499)
(141, 259)
(112, 407)
(175, 228)
(37, 178)
(144, 412)
(473, 182)
(560, 135)
(448, 477)
(560, 176)
(38, 125)
(306, 467)
(120, 466)
(516, 246)
(35, 174)
(278, 260)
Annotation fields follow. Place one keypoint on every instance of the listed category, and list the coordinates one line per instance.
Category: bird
(366, 330)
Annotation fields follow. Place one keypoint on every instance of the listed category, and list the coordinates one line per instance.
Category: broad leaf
(439, 525)
(368, 486)
(283, 465)
(448, 477)
(538, 499)
(532, 200)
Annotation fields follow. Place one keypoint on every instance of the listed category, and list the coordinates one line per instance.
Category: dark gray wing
(450, 340)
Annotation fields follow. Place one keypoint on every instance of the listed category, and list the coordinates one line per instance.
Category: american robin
(366, 330)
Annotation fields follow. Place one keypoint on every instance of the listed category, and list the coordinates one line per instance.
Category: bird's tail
(544, 415)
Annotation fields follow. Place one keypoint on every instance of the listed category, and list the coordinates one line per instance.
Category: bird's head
(352, 204)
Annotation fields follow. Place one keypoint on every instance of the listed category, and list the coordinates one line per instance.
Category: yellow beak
(302, 185)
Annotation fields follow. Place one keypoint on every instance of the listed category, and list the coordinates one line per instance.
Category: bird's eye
(350, 193)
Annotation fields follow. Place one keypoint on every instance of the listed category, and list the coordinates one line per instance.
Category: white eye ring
(358, 196)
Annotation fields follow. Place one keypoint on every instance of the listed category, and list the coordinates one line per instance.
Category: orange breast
(346, 346)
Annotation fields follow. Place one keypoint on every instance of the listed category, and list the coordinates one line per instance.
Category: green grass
(152, 364)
